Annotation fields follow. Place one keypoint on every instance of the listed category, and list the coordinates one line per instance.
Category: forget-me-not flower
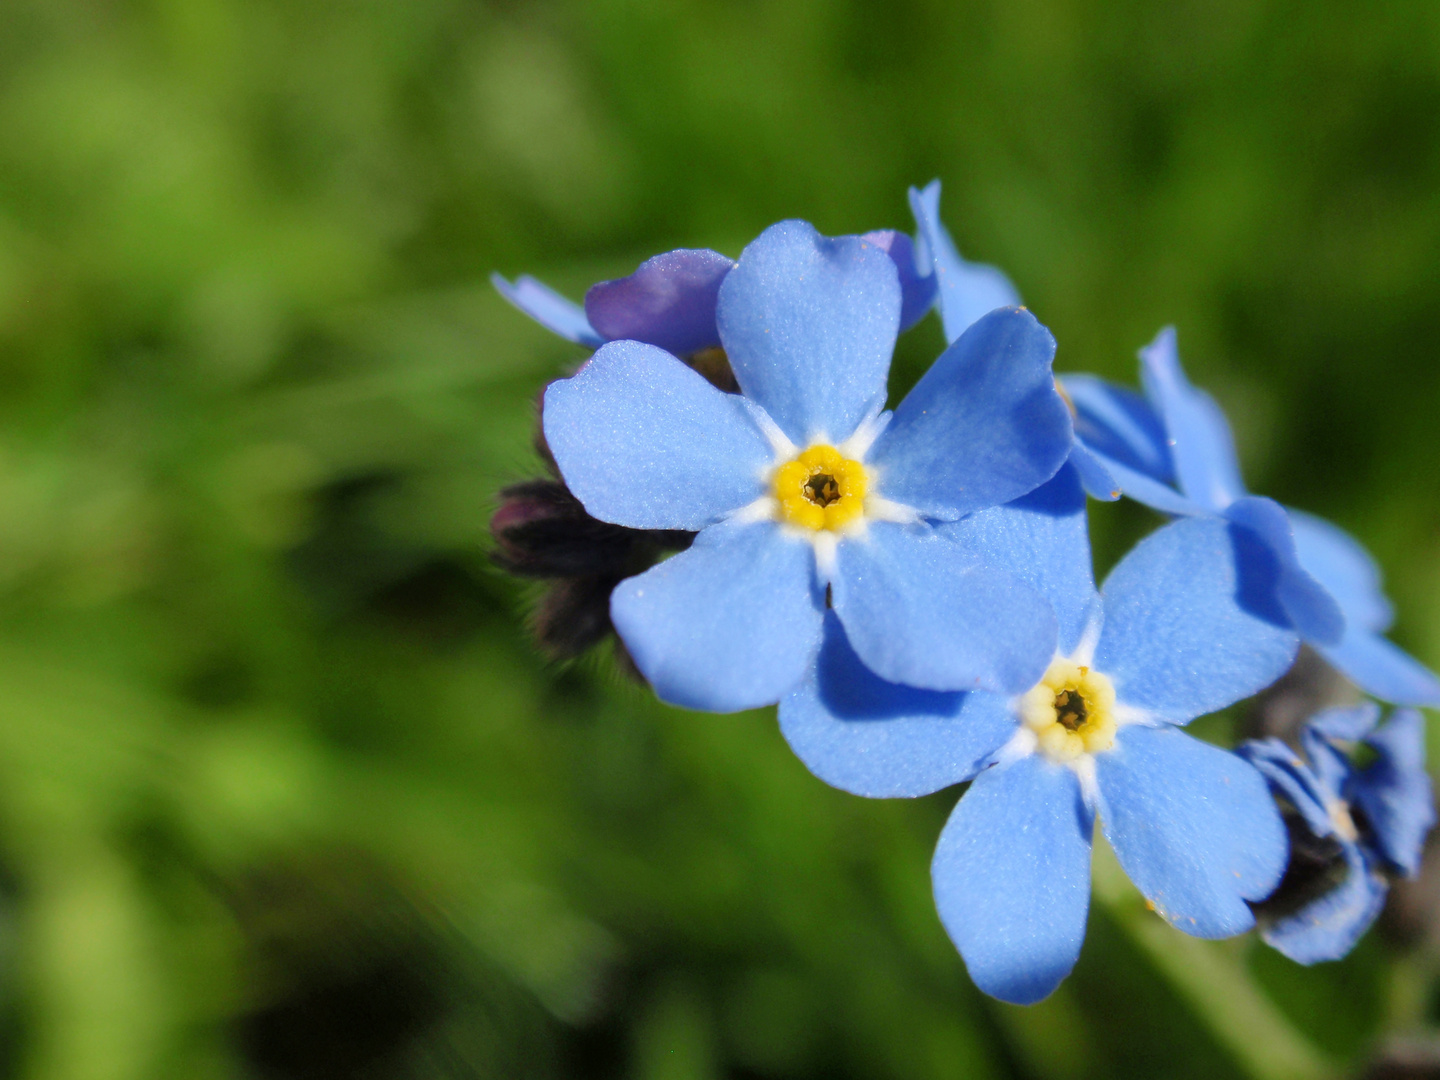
(670, 300)
(1188, 624)
(1173, 451)
(1361, 824)
(807, 497)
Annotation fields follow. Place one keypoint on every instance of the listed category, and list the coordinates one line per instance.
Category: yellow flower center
(820, 489)
(1071, 710)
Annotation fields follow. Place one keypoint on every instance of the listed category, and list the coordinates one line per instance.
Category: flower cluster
(913, 588)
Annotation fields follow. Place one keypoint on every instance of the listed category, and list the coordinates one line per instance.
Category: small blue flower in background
(1188, 623)
(670, 301)
(1173, 451)
(1377, 817)
(807, 496)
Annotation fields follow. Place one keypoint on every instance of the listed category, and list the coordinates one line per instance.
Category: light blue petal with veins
(983, 426)
(809, 324)
(1192, 623)
(644, 441)
(1012, 877)
(1194, 827)
(731, 623)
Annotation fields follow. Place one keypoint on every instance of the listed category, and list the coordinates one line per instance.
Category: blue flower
(670, 301)
(1368, 822)
(807, 497)
(1188, 624)
(1173, 451)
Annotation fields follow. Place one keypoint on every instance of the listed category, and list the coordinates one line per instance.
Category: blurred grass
(283, 790)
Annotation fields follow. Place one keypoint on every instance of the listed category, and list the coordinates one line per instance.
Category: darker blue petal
(1312, 611)
(870, 737)
(1040, 538)
(917, 280)
(1143, 489)
(1342, 565)
(644, 441)
(548, 308)
(1328, 927)
(1198, 435)
(1394, 792)
(1191, 620)
(731, 623)
(921, 611)
(1194, 827)
(966, 290)
(1012, 878)
(668, 302)
(983, 426)
(1325, 738)
(809, 324)
(1119, 424)
(1293, 780)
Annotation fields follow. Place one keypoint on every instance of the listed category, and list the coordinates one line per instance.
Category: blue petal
(548, 308)
(1012, 878)
(1382, 669)
(732, 623)
(1395, 792)
(1042, 539)
(1328, 928)
(809, 324)
(1143, 489)
(1340, 563)
(1118, 423)
(967, 290)
(1193, 825)
(917, 281)
(1312, 611)
(1290, 777)
(644, 441)
(921, 611)
(1199, 436)
(1125, 438)
(668, 302)
(870, 737)
(983, 426)
(1098, 481)
(1191, 621)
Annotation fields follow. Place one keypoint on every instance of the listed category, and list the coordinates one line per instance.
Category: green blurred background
(286, 792)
